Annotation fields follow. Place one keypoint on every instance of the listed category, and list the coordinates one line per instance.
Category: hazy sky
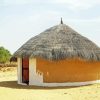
(22, 19)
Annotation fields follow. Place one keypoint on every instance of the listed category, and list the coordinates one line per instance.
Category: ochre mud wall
(73, 70)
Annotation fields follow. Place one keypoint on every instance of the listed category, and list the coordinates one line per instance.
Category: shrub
(4, 55)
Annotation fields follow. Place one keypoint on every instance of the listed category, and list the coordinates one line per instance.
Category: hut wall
(35, 77)
(73, 70)
(19, 71)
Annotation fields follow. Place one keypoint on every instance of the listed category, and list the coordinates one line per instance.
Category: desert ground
(10, 90)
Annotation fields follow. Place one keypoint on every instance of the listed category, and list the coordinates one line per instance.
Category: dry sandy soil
(10, 90)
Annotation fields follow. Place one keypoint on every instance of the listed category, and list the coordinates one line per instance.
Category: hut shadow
(14, 85)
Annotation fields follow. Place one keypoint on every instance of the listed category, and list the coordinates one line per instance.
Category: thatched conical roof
(59, 42)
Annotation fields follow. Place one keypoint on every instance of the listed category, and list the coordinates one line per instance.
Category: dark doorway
(25, 70)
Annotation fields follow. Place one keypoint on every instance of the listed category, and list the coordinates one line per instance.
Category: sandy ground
(10, 90)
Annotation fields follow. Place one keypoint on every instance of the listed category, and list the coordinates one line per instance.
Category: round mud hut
(59, 56)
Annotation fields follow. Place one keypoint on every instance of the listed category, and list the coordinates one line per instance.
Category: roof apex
(61, 21)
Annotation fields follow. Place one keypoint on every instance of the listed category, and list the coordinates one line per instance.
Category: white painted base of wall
(65, 84)
(22, 83)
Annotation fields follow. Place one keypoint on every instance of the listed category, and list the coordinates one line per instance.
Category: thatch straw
(60, 42)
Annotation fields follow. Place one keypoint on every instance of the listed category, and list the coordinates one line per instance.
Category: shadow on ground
(14, 85)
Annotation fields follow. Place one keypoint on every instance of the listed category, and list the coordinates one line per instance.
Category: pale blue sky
(22, 19)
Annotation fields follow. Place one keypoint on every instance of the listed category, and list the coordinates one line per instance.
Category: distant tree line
(5, 55)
